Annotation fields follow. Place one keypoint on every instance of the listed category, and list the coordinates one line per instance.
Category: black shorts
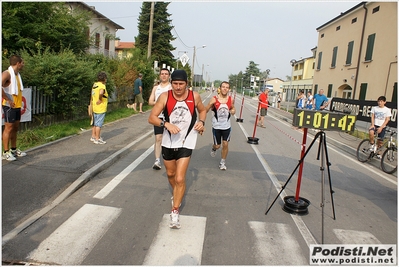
(218, 135)
(176, 153)
(158, 130)
(11, 115)
(263, 112)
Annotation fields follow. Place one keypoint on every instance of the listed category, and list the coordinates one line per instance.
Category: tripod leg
(329, 175)
(297, 166)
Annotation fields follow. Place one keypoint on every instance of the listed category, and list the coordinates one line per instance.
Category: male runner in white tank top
(180, 107)
(223, 108)
(157, 90)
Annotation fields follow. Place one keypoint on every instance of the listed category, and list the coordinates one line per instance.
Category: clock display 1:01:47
(324, 120)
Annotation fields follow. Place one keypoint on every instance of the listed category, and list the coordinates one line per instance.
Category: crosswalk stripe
(70, 243)
(177, 246)
(355, 237)
(122, 175)
(276, 244)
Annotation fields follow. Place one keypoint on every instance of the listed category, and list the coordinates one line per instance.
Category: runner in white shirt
(180, 107)
(157, 90)
(223, 108)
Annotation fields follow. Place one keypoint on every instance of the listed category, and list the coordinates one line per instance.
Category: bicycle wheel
(389, 160)
(363, 151)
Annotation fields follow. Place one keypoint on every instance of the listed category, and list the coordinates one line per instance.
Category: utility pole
(192, 68)
(150, 30)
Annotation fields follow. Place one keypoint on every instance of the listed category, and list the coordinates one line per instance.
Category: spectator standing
(222, 107)
(138, 94)
(264, 104)
(278, 100)
(301, 99)
(99, 102)
(309, 100)
(158, 89)
(12, 88)
(180, 135)
(380, 116)
(320, 101)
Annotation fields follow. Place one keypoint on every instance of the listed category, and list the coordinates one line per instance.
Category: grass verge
(42, 135)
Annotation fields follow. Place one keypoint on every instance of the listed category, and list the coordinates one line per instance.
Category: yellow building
(356, 55)
(301, 78)
(124, 49)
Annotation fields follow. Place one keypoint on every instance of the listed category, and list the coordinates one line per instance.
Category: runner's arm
(151, 100)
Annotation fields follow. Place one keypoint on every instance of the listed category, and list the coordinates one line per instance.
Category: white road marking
(71, 189)
(76, 237)
(275, 243)
(177, 246)
(122, 175)
(304, 230)
(355, 237)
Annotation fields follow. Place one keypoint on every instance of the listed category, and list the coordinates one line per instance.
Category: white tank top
(221, 114)
(159, 91)
(180, 115)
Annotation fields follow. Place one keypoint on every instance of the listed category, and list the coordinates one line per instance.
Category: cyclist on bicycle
(380, 116)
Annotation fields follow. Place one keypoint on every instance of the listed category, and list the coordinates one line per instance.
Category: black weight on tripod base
(299, 207)
(253, 140)
(239, 120)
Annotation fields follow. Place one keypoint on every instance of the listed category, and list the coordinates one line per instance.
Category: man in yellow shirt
(99, 102)
(12, 103)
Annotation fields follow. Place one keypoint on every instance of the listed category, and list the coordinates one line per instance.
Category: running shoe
(18, 153)
(213, 152)
(157, 165)
(174, 220)
(99, 142)
(8, 156)
(222, 166)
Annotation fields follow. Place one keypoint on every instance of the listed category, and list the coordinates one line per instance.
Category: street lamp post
(192, 67)
(267, 76)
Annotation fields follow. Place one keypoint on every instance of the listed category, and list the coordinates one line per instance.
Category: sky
(269, 33)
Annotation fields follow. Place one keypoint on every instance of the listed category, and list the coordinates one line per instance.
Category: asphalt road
(105, 205)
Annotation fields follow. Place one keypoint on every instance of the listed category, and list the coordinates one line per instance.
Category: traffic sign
(184, 59)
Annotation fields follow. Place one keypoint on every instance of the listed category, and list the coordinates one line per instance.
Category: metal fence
(42, 115)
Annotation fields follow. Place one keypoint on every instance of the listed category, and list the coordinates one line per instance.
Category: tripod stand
(300, 206)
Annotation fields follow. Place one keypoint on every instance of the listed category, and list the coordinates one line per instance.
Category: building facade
(123, 49)
(101, 29)
(301, 78)
(356, 55)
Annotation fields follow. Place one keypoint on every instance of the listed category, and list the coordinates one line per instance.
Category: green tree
(236, 81)
(161, 35)
(39, 25)
(253, 70)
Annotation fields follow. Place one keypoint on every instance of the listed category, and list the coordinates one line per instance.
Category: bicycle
(389, 159)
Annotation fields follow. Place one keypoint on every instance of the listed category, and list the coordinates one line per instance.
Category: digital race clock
(323, 120)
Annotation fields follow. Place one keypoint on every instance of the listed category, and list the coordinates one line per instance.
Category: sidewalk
(50, 173)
